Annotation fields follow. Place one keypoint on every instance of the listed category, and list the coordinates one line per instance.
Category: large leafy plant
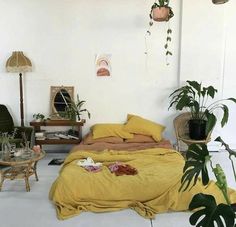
(194, 97)
(207, 212)
(74, 109)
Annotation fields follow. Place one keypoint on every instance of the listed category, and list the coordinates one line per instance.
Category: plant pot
(197, 129)
(219, 1)
(161, 13)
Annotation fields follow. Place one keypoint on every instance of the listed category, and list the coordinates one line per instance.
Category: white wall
(208, 51)
(61, 37)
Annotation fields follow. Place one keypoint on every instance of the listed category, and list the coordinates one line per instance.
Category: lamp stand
(21, 101)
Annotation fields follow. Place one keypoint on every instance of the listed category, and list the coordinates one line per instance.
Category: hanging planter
(219, 1)
(161, 11)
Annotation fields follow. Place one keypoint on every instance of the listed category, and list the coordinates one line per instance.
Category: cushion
(106, 130)
(139, 125)
(138, 138)
(88, 139)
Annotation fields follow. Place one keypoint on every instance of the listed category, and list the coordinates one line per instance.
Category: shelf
(57, 123)
(57, 141)
(78, 127)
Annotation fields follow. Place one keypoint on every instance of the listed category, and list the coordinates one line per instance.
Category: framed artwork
(103, 64)
(60, 97)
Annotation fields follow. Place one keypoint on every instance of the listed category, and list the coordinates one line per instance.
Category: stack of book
(40, 135)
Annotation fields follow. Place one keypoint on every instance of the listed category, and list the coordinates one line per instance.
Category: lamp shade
(219, 1)
(18, 62)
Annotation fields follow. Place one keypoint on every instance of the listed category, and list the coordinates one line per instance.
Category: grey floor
(33, 209)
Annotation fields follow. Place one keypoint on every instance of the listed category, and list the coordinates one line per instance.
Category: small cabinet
(75, 125)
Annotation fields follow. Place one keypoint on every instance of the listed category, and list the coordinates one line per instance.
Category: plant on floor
(194, 98)
(161, 11)
(74, 109)
(208, 212)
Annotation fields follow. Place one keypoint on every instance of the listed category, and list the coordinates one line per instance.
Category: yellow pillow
(139, 125)
(106, 130)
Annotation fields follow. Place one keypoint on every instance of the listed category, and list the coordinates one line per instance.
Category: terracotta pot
(161, 13)
(219, 1)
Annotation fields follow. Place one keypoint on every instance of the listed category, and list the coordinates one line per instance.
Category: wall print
(103, 64)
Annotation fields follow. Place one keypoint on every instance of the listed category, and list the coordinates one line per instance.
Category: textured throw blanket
(153, 190)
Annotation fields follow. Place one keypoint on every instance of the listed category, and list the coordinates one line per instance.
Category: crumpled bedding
(101, 146)
(153, 190)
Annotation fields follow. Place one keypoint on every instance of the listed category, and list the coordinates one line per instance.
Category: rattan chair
(182, 131)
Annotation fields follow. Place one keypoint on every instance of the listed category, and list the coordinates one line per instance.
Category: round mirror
(60, 98)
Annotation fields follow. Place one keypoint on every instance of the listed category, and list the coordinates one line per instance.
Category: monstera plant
(207, 212)
(195, 98)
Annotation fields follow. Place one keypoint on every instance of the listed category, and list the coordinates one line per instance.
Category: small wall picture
(103, 64)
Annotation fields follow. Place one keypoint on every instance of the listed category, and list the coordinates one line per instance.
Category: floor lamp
(20, 64)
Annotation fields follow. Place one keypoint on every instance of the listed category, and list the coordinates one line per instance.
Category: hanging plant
(161, 11)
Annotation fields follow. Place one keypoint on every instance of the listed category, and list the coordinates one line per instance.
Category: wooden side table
(78, 126)
(21, 167)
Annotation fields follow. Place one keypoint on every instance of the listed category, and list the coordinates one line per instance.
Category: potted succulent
(219, 1)
(39, 117)
(194, 97)
(206, 211)
(161, 11)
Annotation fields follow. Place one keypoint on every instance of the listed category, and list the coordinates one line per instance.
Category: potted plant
(219, 1)
(207, 213)
(161, 11)
(38, 117)
(74, 109)
(194, 97)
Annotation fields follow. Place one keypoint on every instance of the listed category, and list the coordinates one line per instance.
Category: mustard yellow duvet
(153, 190)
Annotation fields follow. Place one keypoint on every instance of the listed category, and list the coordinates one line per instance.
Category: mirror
(60, 97)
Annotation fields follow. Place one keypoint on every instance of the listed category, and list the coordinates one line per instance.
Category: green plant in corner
(194, 98)
(161, 11)
(74, 109)
(208, 213)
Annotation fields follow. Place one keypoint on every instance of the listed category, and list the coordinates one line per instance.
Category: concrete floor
(33, 209)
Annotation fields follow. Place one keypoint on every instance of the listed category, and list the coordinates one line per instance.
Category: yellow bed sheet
(153, 190)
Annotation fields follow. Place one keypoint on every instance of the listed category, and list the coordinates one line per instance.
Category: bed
(154, 189)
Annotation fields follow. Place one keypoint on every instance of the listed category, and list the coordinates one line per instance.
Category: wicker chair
(182, 130)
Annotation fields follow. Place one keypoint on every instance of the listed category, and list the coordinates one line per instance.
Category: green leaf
(169, 31)
(209, 213)
(168, 38)
(166, 46)
(211, 91)
(225, 115)
(195, 85)
(183, 102)
(197, 157)
(203, 92)
(168, 53)
(211, 121)
(232, 99)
